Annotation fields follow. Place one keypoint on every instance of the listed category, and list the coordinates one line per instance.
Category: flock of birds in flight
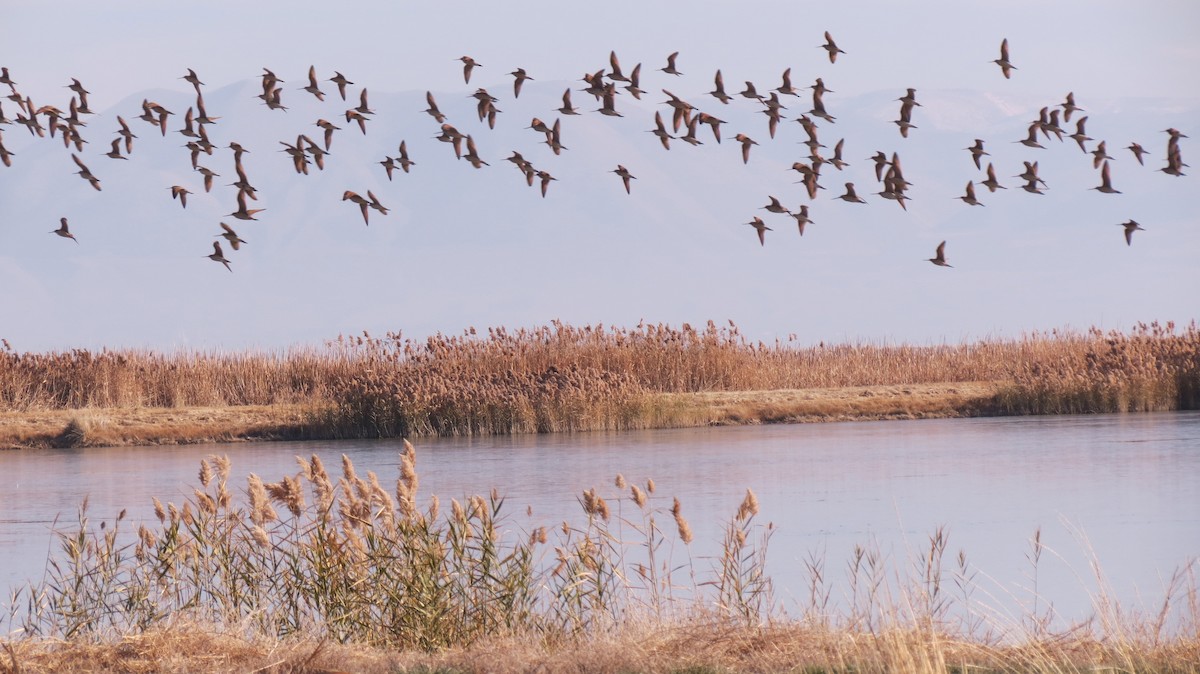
(602, 85)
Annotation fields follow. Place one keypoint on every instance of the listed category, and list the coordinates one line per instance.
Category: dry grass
(562, 378)
(317, 574)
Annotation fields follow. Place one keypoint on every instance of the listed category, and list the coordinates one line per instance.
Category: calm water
(1124, 488)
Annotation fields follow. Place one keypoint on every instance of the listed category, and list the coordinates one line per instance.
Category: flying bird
(313, 88)
(670, 69)
(520, 76)
(718, 91)
(1105, 185)
(468, 65)
(230, 236)
(762, 229)
(831, 47)
(850, 196)
(341, 82)
(218, 255)
(1130, 227)
(1006, 66)
(625, 176)
(746, 142)
(62, 230)
(940, 258)
(969, 197)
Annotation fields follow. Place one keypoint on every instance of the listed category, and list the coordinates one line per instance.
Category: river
(1120, 490)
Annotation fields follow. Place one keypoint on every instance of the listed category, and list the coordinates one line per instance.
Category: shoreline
(131, 426)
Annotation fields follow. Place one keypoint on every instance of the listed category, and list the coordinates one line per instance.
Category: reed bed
(564, 378)
(317, 574)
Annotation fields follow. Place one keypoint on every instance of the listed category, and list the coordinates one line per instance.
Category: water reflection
(1125, 488)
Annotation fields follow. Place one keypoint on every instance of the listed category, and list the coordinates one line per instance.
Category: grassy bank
(563, 378)
(323, 573)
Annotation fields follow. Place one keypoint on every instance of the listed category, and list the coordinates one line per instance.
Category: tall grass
(559, 377)
(314, 559)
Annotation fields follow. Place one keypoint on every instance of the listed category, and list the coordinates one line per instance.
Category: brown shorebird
(567, 108)
(991, 183)
(718, 91)
(614, 67)
(62, 227)
(977, 152)
(313, 88)
(1069, 106)
(126, 134)
(1100, 155)
(802, 218)
(363, 204)
(374, 203)
(230, 236)
(690, 137)
(115, 152)
(218, 255)
(5, 78)
(762, 229)
(328, 127)
(5, 155)
(403, 160)
(520, 76)
(746, 142)
(471, 155)
(881, 161)
(715, 123)
(969, 197)
(433, 108)
(625, 176)
(670, 69)
(787, 88)
(1138, 151)
(193, 78)
(1080, 135)
(453, 136)
(468, 64)
(179, 192)
(242, 213)
(905, 121)
(775, 206)
(660, 130)
(1006, 66)
(1031, 140)
(208, 174)
(1130, 227)
(341, 82)
(850, 196)
(751, 92)
(545, 178)
(1105, 185)
(85, 173)
(818, 108)
(831, 47)
(609, 106)
(940, 258)
(634, 78)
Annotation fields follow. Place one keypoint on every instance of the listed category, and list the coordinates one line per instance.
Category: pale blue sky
(466, 248)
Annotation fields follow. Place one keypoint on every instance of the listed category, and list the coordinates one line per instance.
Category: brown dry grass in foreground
(313, 574)
(562, 378)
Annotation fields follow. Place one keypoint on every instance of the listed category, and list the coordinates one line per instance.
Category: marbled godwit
(545, 178)
(1069, 106)
(567, 108)
(991, 183)
(432, 110)
(609, 106)
(881, 161)
(786, 87)
(242, 213)
(389, 165)
(940, 257)
(85, 173)
(189, 127)
(831, 47)
(5, 155)
(775, 207)
(801, 217)
(614, 67)
(1006, 66)
(314, 88)
(690, 137)
(403, 159)
(328, 127)
(468, 64)
(751, 92)
(115, 152)
(977, 151)
(718, 91)
(231, 236)
(1130, 227)
(1031, 139)
(62, 230)
(818, 108)
(660, 130)
(219, 256)
(850, 196)
(520, 76)
(1105, 185)
(472, 155)
(208, 174)
(363, 204)
(634, 77)
(713, 122)
(341, 82)
(625, 176)
(454, 137)
(5, 78)
(1138, 151)
(1099, 155)
(746, 142)
(179, 192)
(1080, 136)
(762, 229)
(670, 69)
(374, 203)
(353, 115)
(969, 197)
